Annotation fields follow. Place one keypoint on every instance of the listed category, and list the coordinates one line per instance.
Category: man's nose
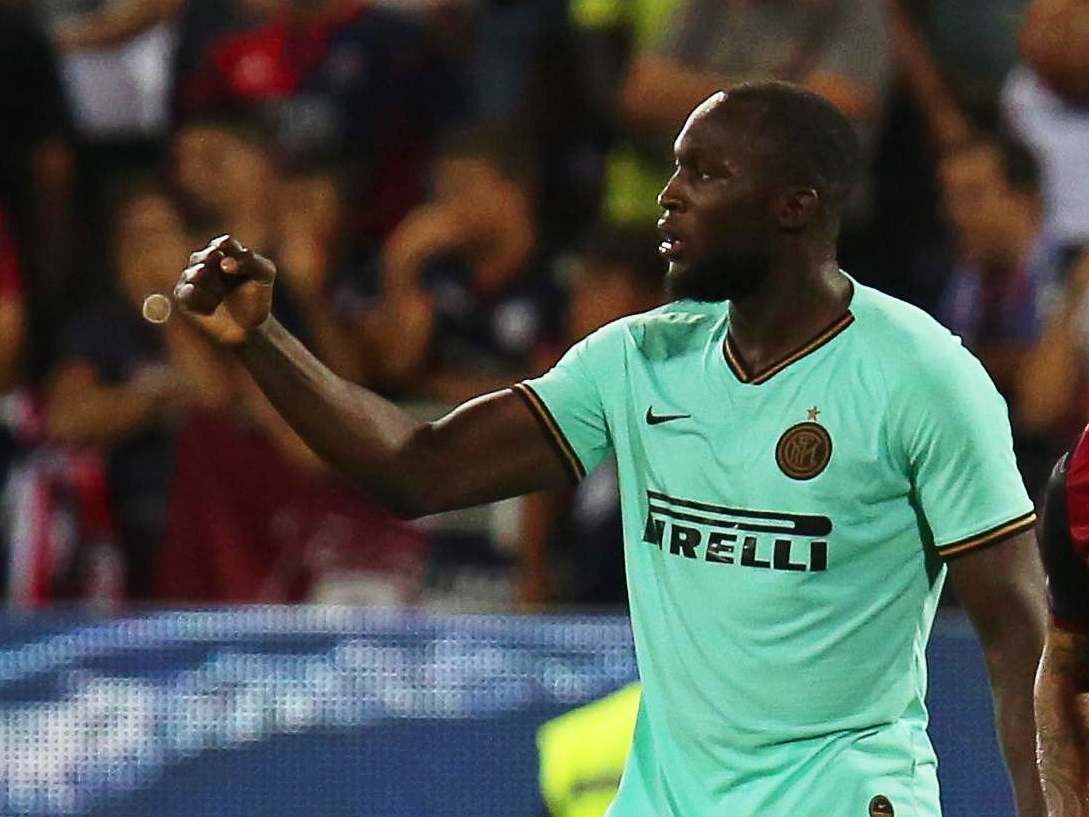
(671, 197)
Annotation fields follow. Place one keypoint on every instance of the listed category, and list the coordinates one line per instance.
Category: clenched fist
(226, 290)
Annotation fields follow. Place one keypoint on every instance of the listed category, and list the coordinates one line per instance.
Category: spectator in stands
(116, 65)
(12, 309)
(996, 296)
(255, 517)
(224, 172)
(201, 25)
(466, 299)
(13, 332)
(115, 60)
(316, 250)
(1053, 385)
(1046, 102)
(120, 382)
(1008, 275)
(340, 78)
(36, 171)
(687, 49)
(230, 180)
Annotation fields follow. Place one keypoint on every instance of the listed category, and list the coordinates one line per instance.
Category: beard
(726, 275)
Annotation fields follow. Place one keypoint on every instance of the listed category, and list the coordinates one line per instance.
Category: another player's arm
(1062, 722)
(487, 449)
(1001, 588)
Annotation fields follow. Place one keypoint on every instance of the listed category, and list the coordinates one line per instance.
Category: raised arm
(1001, 588)
(487, 449)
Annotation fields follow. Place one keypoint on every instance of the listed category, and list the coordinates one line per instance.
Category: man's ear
(797, 207)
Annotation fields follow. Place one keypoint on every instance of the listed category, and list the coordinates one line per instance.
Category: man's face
(717, 230)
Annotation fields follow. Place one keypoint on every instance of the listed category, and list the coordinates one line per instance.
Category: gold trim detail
(737, 366)
(555, 435)
(989, 537)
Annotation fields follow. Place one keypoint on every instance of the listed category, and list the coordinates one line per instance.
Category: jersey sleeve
(955, 436)
(568, 404)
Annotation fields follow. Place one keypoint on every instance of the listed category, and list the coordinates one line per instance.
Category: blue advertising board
(278, 712)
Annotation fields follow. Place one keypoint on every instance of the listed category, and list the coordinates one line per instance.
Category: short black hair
(805, 135)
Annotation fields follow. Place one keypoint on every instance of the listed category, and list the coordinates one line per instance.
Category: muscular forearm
(1062, 730)
(1062, 748)
(1001, 588)
(1016, 731)
(335, 346)
(1012, 670)
(359, 433)
(487, 449)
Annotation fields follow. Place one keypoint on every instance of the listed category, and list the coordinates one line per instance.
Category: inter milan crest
(805, 449)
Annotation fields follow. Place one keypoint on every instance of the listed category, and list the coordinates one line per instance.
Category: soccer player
(802, 460)
(1062, 686)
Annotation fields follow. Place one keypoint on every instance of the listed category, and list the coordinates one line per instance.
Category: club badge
(804, 450)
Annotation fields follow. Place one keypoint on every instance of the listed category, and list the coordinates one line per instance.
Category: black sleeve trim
(989, 537)
(552, 431)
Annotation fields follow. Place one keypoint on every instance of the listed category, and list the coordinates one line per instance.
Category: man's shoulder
(668, 331)
(901, 335)
(920, 361)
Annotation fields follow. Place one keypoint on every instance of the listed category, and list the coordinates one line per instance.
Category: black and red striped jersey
(1064, 538)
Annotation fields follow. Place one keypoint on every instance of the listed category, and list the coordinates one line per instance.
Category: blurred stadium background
(200, 618)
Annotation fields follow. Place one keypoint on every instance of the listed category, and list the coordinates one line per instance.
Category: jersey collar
(754, 378)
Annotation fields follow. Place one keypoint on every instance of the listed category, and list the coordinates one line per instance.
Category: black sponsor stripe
(724, 523)
(993, 536)
(805, 524)
(551, 430)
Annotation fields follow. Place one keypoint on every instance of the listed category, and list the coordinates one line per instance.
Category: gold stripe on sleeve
(991, 537)
(552, 431)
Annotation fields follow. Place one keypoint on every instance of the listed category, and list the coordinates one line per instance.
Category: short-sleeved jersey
(785, 532)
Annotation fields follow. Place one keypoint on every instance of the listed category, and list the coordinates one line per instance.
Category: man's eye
(704, 176)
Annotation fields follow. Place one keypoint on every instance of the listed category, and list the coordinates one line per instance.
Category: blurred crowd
(454, 191)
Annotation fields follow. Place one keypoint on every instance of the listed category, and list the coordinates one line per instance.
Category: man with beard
(802, 460)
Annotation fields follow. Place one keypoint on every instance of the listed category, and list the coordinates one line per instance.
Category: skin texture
(1062, 722)
(736, 223)
(1001, 588)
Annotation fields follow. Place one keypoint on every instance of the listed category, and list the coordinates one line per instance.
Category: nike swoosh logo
(653, 419)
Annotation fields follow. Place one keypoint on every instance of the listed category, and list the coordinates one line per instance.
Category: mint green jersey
(785, 533)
